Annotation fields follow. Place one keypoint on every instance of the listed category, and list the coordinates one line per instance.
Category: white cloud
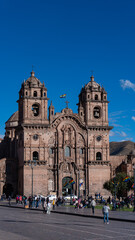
(133, 118)
(122, 134)
(127, 84)
(111, 134)
(117, 125)
(117, 113)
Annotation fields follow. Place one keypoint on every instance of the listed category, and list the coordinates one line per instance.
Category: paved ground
(87, 212)
(21, 224)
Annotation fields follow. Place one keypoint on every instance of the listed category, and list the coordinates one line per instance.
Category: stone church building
(62, 152)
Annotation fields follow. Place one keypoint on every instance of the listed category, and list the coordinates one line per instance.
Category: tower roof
(32, 81)
(93, 86)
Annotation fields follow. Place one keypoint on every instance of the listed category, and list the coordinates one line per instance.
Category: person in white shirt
(106, 213)
(93, 204)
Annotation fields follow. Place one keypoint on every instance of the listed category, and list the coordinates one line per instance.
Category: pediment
(69, 118)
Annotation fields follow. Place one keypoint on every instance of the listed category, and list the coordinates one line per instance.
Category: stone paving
(85, 212)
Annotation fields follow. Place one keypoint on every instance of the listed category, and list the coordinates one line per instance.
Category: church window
(105, 97)
(81, 151)
(51, 150)
(67, 151)
(44, 94)
(35, 156)
(96, 112)
(81, 113)
(35, 94)
(96, 97)
(88, 95)
(51, 112)
(35, 109)
(35, 137)
(26, 93)
(98, 156)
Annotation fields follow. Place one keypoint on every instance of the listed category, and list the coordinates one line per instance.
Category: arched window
(81, 151)
(35, 94)
(98, 156)
(26, 93)
(67, 152)
(96, 97)
(96, 112)
(44, 94)
(35, 109)
(35, 156)
(51, 150)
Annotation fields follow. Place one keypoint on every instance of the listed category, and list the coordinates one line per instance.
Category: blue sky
(65, 40)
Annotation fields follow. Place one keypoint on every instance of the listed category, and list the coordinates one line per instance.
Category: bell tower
(33, 102)
(93, 104)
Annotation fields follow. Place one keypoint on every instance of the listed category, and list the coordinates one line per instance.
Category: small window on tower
(44, 94)
(26, 93)
(96, 112)
(35, 156)
(35, 109)
(105, 97)
(88, 95)
(35, 94)
(96, 97)
(81, 113)
(51, 112)
(98, 156)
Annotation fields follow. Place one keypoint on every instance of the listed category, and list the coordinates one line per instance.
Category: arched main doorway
(67, 186)
(8, 189)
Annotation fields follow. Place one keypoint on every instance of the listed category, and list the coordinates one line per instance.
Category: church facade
(59, 152)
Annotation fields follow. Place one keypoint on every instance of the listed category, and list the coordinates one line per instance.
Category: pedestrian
(93, 204)
(53, 204)
(106, 213)
(9, 200)
(48, 208)
(44, 207)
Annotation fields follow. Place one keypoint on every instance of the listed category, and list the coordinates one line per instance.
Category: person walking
(106, 213)
(9, 200)
(93, 204)
(48, 208)
(53, 203)
(45, 207)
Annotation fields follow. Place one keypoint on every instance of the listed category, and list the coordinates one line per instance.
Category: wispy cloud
(127, 84)
(133, 118)
(117, 133)
(117, 125)
(122, 133)
(111, 134)
(117, 113)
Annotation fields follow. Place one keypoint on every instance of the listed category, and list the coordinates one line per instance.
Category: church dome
(32, 81)
(93, 86)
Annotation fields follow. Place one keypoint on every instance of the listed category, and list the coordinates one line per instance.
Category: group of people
(92, 203)
(49, 205)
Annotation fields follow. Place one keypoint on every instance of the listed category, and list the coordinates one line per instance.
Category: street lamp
(134, 187)
(78, 184)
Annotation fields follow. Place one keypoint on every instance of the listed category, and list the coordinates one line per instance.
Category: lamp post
(78, 184)
(134, 187)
